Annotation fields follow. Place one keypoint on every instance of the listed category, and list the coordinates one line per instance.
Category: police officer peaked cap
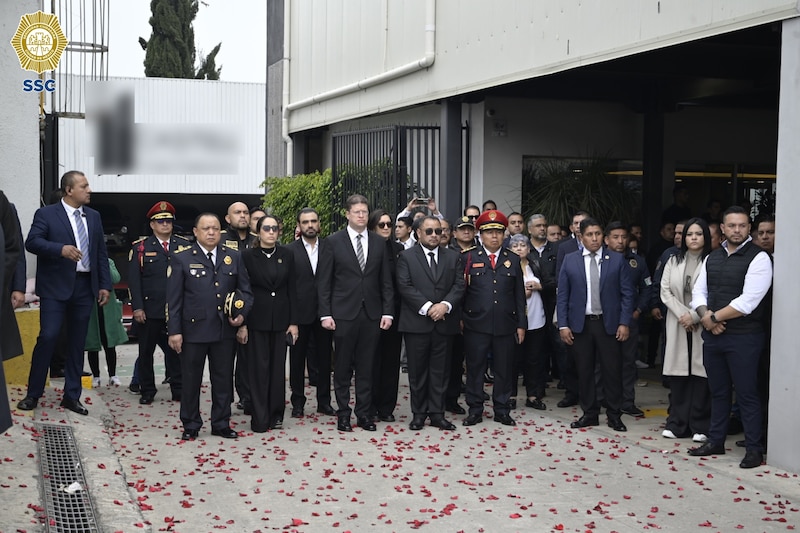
(491, 219)
(162, 210)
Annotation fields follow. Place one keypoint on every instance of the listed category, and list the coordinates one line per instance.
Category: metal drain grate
(60, 466)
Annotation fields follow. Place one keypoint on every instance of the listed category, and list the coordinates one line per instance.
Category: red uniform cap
(162, 210)
(491, 219)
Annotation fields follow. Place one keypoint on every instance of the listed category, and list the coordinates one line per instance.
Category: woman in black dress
(270, 324)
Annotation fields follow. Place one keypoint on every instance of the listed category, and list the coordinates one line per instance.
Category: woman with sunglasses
(387, 362)
(270, 325)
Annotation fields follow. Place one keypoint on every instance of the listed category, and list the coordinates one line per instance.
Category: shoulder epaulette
(468, 249)
(181, 237)
(182, 249)
(137, 241)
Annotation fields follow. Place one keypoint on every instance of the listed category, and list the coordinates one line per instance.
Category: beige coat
(676, 358)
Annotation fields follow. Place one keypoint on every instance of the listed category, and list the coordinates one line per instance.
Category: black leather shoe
(633, 411)
(741, 443)
(344, 424)
(297, 412)
(504, 419)
(276, 424)
(471, 420)
(75, 406)
(366, 423)
(707, 449)
(616, 424)
(189, 434)
(146, 400)
(512, 403)
(536, 403)
(584, 422)
(442, 423)
(28, 403)
(455, 409)
(326, 410)
(417, 423)
(225, 433)
(135, 388)
(567, 402)
(752, 459)
(386, 418)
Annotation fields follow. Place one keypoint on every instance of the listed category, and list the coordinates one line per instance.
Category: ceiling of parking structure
(735, 70)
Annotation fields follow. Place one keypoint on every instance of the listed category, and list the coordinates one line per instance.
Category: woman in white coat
(689, 398)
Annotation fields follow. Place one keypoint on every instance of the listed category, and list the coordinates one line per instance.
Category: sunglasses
(273, 229)
(431, 231)
(384, 225)
(163, 221)
(472, 217)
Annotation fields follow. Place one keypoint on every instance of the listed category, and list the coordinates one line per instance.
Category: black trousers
(478, 346)
(151, 334)
(456, 370)
(386, 375)
(428, 371)
(531, 359)
(242, 373)
(594, 345)
(689, 405)
(356, 342)
(312, 349)
(266, 363)
(220, 369)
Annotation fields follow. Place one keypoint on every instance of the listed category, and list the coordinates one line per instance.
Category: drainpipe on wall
(424, 62)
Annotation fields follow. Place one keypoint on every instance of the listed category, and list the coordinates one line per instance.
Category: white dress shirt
(364, 242)
(313, 253)
(70, 210)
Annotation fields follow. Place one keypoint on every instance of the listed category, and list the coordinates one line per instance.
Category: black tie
(433, 264)
(211, 257)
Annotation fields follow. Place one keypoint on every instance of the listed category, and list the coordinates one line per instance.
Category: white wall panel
(481, 44)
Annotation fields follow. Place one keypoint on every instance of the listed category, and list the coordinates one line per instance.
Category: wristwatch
(714, 318)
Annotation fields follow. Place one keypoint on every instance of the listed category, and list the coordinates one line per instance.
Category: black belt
(83, 273)
(594, 317)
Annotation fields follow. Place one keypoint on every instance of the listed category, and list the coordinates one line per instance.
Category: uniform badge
(192, 271)
(234, 245)
(633, 263)
(478, 265)
(507, 263)
(150, 254)
(227, 260)
(169, 270)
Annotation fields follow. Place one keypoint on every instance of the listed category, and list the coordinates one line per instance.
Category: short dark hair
(765, 217)
(616, 224)
(257, 208)
(305, 211)
(471, 207)
(515, 213)
(206, 214)
(589, 221)
(69, 178)
(582, 213)
(408, 221)
(735, 210)
(483, 206)
(355, 199)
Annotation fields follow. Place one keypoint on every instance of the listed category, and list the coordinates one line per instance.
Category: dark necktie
(433, 264)
(210, 257)
(594, 275)
(83, 239)
(360, 253)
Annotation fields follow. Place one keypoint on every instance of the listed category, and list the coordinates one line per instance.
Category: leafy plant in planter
(558, 187)
(286, 196)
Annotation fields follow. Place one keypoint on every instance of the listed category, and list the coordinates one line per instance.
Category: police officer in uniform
(147, 280)
(198, 281)
(493, 315)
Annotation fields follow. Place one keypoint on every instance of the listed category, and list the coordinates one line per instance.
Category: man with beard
(313, 346)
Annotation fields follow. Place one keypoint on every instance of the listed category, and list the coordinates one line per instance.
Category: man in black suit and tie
(431, 288)
(71, 273)
(307, 251)
(198, 280)
(356, 301)
(596, 298)
(493, 312)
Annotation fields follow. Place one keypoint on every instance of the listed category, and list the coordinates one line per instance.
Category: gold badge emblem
(39, 42)
(633, 263)
(163, 206)
(238, 304)
(507, 263)
(227, 260)
(492, 215)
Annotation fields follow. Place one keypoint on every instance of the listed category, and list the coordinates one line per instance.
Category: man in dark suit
(431, 287)
(72, 271)
(493, 312)
(571, 243)
(596, 298)
(307, 251)
(198, 280)
(147, 279)
(356, 301)
(10, 343)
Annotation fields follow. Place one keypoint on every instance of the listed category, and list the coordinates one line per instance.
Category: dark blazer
(617, 292)
(548, 291)
(147, 273)
(416, 286)
(641, 280)
(55, 275)
(548, 258)
(342, 287)
(564, 247)
(494, 300)
(196, 292)
(11, 245)
(306, 281)
(272, 281)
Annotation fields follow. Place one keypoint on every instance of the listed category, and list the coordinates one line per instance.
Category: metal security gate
(389, 166)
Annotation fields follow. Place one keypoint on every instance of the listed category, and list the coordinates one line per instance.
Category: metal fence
(389, 166)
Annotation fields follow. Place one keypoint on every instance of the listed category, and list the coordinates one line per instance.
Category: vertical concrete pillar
(784, 426)
(450, 188)
(275, 164)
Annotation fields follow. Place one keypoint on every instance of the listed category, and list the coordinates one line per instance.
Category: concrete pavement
(538, 476)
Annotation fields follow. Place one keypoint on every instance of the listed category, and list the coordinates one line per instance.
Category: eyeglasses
(431, 231)
(384, 225)
(163, 221)
(268, 229)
